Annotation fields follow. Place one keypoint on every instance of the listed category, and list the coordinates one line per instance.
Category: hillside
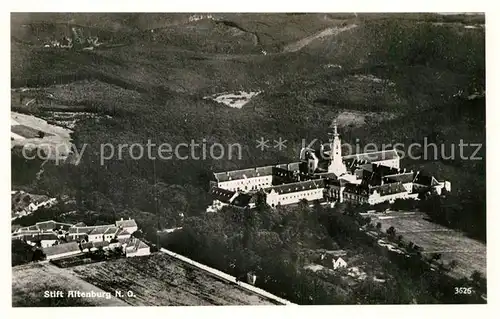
(156, 280)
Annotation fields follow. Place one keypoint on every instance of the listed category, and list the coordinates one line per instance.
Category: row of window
(248, 181)
(301, 196)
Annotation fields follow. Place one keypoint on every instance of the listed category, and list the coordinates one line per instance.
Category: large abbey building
(327, 176)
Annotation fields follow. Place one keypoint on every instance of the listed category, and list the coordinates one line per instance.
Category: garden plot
(470, 254)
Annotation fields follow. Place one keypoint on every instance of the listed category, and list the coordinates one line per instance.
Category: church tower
(336, 165)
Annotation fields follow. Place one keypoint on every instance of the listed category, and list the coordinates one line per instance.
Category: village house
(128, 224)
(42, 239)
(48, 240)
(123, 234)
(136, 247)
(103, 233)
(76, 233)
(50, 234)
(339, 263)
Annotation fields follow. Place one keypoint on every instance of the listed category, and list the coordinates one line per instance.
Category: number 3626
(463, 290)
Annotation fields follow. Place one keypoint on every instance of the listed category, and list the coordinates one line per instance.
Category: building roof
(80, 224)
(111, 230)
(32, 238)
(221, 194)
(264, 170)
(243, 173)
(123, 232)
(254, 172)
(77, 237)
(100, 244)
(373, 156)
(61, 249)
(126, 223)
(353, 163)
(51, 224)
(356, 189)
(293, 166)
(424, 179)
(81, 230)
(123, 240)
(403, 178)
(134, 244)
(100, 230)
(297, 187)
(242, 200)
(141, 244)
(26, 230)
(371, 178)
(282, 172)
(383, 170)
(47, 225)
(388, 189)
(48, 236)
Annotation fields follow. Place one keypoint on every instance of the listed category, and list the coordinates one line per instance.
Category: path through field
(296, 46)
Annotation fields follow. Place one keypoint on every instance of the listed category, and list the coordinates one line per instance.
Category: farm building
(62, 250)
(136, 247)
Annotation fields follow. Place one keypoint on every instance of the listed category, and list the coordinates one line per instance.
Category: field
(159, 280)
(155, 280)
(470, 254)
(25, 128)
(29, 283)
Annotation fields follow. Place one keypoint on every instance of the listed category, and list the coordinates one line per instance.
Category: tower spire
(335, 133)
(336, 165)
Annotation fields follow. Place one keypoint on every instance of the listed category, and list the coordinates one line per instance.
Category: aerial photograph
(194, 159)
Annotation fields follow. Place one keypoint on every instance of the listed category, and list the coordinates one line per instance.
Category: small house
(128, 224)
(339, 263)
(136, 247)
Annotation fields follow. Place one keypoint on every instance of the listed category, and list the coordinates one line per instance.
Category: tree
(138, 234)
(436, 256)
(379, 226)
(118, 251)
(38, 255)
(368, 220)
(391, 232)
(411, 245)
(21, 252)
(453, 264)
(41, 134)
(260, 202)
(478, 280)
